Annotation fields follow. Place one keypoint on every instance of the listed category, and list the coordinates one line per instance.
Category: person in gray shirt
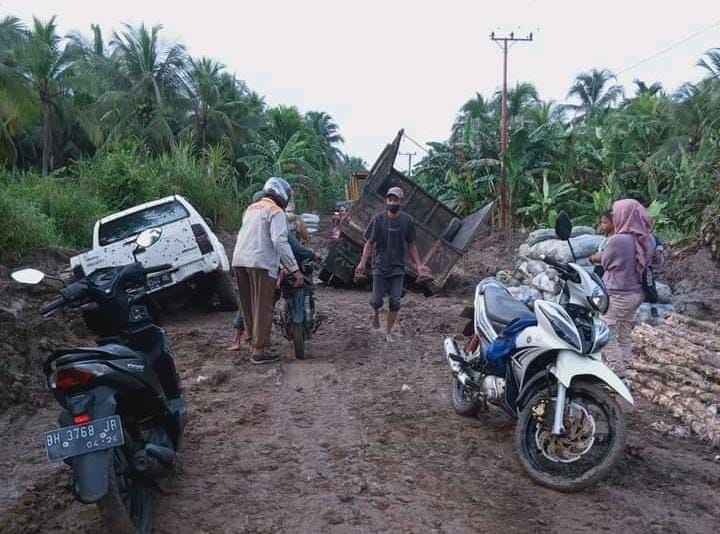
(390, 234)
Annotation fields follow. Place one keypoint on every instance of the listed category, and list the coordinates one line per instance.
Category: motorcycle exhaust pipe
(153, 459)
(165, 455)
(456, 361)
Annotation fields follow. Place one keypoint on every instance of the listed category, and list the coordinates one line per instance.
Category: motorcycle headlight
(599, 300)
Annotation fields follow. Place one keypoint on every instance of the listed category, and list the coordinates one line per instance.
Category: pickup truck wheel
(223, 294)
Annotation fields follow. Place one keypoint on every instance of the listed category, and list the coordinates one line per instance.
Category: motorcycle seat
(502, 309)
(110, 351)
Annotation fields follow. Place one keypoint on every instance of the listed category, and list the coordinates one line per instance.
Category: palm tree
(152, 76)
(592, 89)
(643, 89)
(17, 105)
(283, 123)
(289, 161)
(46, 65)
(207, 89)
(328, 133)
(711, 62)
(696, 111)
(474, 113)
(520, 98)
(95, 74)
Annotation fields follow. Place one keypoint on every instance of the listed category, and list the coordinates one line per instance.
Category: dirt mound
(26, 338)
(695, 280)
(490, 252)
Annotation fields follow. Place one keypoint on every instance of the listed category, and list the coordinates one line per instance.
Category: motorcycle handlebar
(553, 263)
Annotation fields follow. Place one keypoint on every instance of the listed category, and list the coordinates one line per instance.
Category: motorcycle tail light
(79, 375)
(202, 239)
(81, 419)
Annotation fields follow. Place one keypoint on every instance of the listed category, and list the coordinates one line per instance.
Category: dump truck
(443, 236)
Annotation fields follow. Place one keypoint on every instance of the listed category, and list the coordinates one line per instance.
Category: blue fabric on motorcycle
(500, 350)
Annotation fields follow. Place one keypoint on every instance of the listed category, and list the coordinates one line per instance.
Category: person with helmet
(296, 225)
(261, 249)
(390, 234)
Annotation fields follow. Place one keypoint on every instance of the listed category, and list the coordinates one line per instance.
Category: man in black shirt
(388, 236)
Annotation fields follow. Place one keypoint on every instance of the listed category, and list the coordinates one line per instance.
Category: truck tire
(223, 294)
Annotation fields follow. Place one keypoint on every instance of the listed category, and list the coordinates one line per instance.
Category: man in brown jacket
(261, 248)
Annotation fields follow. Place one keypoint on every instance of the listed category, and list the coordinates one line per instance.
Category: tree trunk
(46, 139)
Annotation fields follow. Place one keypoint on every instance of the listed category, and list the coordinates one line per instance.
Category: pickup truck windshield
(134, 223)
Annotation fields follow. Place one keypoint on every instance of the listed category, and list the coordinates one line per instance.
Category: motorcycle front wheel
(298, 339)
(593, 441)
(127, 508)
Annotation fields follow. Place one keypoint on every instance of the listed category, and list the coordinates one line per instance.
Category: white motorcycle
(570, 428)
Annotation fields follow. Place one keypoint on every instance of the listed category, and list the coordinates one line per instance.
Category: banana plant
(546, 200)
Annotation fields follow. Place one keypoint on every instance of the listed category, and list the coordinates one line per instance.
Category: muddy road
(360, 437)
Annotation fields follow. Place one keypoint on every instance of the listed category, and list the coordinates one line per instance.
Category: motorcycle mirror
(563, 226)
(28, 276)
(148, 238)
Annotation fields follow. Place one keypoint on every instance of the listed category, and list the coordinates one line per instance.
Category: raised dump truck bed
(442, 235)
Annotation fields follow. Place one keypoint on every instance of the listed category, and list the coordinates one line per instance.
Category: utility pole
(505, 216)
(410, 157)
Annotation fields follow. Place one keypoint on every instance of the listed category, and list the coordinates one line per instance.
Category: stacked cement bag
(533, 278)
(311, 222)
(544, 243)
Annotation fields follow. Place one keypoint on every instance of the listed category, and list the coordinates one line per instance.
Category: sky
(380, 65)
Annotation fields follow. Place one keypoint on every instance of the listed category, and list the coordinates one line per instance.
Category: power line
(406, 136)
(665, 50)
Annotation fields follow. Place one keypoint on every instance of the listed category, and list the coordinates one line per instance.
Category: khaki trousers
(257, 291)
(619, 319)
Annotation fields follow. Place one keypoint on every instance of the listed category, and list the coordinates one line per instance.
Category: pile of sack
(534, 279)
(311, 221)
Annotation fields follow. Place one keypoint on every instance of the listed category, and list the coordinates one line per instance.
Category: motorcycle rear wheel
(462, 403)
(608, 437)
(298, 339)
(127, 508)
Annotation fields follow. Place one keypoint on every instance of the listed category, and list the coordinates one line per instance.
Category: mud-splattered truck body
(442, 235)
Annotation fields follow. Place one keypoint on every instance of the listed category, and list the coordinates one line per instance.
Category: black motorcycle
(123, 414)
(297, 317)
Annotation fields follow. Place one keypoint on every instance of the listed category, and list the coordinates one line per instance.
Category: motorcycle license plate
(155, 282)
(97, 435)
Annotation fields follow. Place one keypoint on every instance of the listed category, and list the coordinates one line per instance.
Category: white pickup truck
(197, 257)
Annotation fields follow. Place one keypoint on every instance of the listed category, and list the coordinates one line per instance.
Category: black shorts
(382, 285)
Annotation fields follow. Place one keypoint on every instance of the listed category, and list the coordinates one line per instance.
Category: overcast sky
(380, 65)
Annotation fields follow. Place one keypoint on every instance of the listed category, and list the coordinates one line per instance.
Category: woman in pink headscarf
(629, 251)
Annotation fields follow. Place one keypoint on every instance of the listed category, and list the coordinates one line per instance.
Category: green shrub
(23, 225)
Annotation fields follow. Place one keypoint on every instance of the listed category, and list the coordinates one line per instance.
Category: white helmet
(279, 190)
